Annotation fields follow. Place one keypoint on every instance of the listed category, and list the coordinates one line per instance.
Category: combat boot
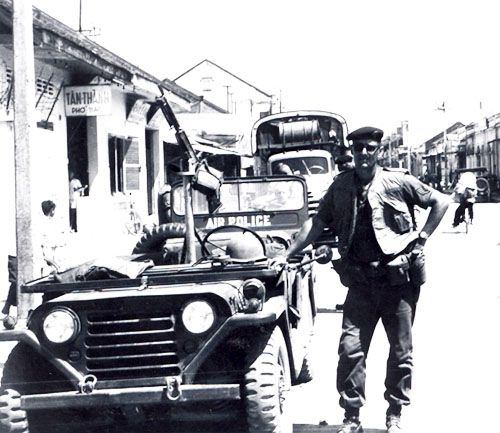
(393, 424)
(351, 424)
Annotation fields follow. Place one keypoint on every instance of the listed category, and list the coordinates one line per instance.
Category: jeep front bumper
(132, 396)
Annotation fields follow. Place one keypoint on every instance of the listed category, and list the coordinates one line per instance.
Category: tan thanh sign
(87, 100)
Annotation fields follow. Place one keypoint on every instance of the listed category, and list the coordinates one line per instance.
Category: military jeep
(148, 337)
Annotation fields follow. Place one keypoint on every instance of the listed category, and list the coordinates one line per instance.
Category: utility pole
(227, 97)
(445, 146)
(406, 142)
(80, 18)
(24, 125)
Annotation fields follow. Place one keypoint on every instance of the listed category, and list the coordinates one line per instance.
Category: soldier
(370, 209)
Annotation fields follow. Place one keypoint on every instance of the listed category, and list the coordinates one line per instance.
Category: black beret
(366, 133)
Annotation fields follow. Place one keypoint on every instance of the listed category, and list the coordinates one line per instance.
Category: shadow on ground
(308, 428)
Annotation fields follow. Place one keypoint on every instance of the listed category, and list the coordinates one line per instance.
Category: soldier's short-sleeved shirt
(391, 197)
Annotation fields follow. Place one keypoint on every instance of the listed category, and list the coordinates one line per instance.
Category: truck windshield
(303, 165)
(279, 195)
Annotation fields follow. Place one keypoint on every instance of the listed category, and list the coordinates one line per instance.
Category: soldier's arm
(309, 232)
(439, 204)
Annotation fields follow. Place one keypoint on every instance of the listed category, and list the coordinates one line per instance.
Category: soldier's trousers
(363, 307)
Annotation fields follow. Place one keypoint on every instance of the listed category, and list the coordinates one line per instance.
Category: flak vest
(392, 217)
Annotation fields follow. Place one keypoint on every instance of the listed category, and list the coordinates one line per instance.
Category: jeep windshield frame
(260, 203)
(244, 195)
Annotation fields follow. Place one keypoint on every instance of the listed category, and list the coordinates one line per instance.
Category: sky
(378, 62)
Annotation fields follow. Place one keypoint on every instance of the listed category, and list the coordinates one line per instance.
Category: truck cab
(306, 141)
(316, 166)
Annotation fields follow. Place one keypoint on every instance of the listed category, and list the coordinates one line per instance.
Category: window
(124, 167)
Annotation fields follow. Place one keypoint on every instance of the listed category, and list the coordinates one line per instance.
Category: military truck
(307, 142)
(144, 337)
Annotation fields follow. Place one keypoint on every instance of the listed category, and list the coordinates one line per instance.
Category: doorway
(78, 161)
(150, 169)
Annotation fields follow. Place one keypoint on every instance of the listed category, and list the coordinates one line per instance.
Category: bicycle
(467, 220)
(133, 222)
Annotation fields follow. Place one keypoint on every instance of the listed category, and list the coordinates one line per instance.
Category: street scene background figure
(344, 162)
(371, 210)
(76, 190)
(465, 193)
(52, 240)
(283, 168)
(12, 295)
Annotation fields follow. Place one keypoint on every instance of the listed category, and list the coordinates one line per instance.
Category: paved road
(457, 349)
(456, 342)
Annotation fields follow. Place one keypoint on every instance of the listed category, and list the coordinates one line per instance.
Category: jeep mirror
(323, 254)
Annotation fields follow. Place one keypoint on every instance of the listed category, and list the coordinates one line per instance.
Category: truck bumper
(119, 397)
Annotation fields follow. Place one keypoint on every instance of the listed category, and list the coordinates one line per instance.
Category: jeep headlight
(61, 325)
(198, 316)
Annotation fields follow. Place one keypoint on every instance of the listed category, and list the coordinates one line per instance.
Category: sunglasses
(370, 148)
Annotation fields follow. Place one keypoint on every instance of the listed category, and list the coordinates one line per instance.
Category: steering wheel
(230, 228)
(317, 169)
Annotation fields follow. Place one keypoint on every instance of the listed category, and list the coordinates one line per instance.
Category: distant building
(481, 144)
(227, 90)
(444, 154)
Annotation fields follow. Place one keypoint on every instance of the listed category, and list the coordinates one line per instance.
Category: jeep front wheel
(12, 417)
(267, 383)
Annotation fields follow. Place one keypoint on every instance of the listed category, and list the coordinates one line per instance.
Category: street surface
(456, 342)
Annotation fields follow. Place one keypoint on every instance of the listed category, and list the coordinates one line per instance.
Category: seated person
(281, 195)
(283, 168)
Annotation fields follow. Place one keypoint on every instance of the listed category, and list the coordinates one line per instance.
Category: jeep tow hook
(87, 385)
(173, 390)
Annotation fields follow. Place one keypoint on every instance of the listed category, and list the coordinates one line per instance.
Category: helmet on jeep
(245, 246)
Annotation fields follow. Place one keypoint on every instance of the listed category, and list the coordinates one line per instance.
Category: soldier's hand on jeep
(279, 261)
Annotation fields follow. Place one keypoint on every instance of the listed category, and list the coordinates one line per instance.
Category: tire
(26, 372)
(152, 241)
(12, 417)
(267, 382)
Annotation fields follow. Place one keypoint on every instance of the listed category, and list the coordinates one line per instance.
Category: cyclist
(466, 192)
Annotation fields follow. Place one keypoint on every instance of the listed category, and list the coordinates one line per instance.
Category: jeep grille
(128, 345)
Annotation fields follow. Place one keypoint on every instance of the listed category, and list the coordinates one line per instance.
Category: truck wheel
(12, 417)
(267, 383)
(153, 240)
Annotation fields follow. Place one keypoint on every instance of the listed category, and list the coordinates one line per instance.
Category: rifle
(190, 155)
(196, 174)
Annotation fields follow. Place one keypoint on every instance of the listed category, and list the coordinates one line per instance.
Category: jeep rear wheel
(12, 417)
(267, 383)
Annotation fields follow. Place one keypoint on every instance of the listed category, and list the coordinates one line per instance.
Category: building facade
(95, 115)
(227, 90)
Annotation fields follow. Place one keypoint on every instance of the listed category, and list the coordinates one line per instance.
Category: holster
(406, 268)
(353, 273)
(402, 269)
(398, 270)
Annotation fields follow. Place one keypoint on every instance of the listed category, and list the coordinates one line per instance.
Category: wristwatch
(422, 238)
